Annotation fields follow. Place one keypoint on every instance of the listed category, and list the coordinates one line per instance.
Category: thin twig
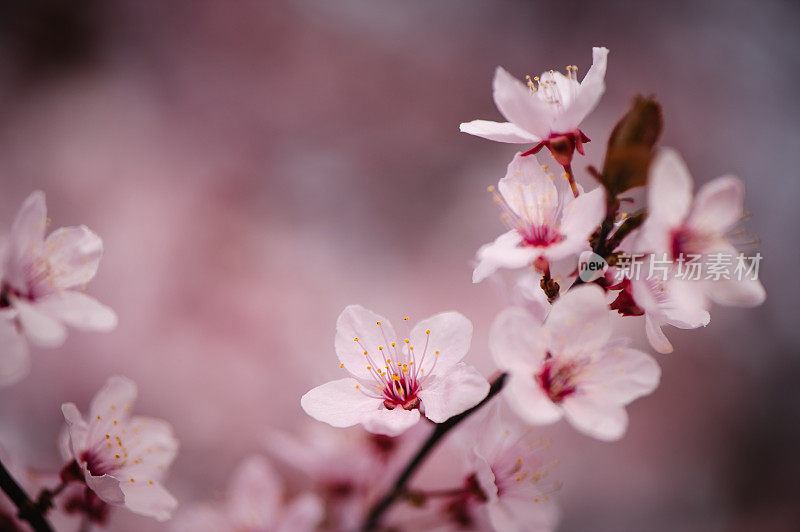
(28, 510)
(377, 511)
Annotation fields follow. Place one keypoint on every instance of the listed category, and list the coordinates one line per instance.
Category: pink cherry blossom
(546, 223)
(548, 112)
(678, 226)
(40, 287)
(394, 379)
(254, 503)
(123, 458)
(662, 302)
(569, 366)
(507, 475)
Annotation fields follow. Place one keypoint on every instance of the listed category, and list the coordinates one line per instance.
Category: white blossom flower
(507, 474)
(548, 112)
(254, 503)
(40, 286)
(394, 379)
(678, 227)
(569, 366)
(123, 458)
(546, 224)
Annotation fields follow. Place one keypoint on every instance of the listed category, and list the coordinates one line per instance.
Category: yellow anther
(406, 318)
(436, 352)
(356, 385)
(369, 368)
(379, 323)
(406, 340)
(392, 344)
(490, 188)
(131, 480)
(355, 339)
(380, 348)
(341, 366)
(427, 331)
(388, 360)
(365, 352)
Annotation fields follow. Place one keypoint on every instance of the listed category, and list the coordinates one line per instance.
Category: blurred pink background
(254, 167)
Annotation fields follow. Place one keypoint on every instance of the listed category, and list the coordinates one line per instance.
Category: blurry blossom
(254, 167)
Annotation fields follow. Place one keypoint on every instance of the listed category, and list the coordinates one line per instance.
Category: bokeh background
(255, 166)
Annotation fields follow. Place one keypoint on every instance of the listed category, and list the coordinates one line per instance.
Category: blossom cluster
(403, 389)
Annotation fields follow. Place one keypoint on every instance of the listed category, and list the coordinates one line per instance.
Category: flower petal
(255, 493)
(498, 131)
(719, 204)
(669, 193)
(78, 310)
(77, 430)
(518, 105)
(42, 329)
(528, 191)
(115, 399)
(391, 422)
(518, 340)
(446, 395)
(339, 403)
(357, 322)
(106, 487)
(733, 292)
(658, 340)
(580, 317)
(604, 421)
(583, 215)
(622, 375)
(591, 89)
(27, 235)
(73, 254)
(148, 498)
(303, 514)
(527, 399)
(504, 252)
(450, 337)
(14, 359)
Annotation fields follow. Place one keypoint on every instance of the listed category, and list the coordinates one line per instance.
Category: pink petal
(591, 89)
(42, 329)
(450, 335)
(580, 317)
(718, 205)
(27, 235)
(518, 340)
(74, 255)
(528, 190)
(149, 499)
(519, 106)
(77, 430)
(583, 215)
(391, 422)
(498, 131)
(527, 399)
(357, 322)
(604, 421)
(446, 395)
(106, 487)
(658, 340)
(621, 376)
(78, 310)
(115, 399)
(303, 514)
(504, 252)
(737, 293)
(669, 191)
(255, 493)
(339, 403)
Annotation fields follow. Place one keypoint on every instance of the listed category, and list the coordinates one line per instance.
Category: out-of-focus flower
(546, 224)
(678, 227)
(507, 476)
(40, 287)
(123, 459)
(394, 379)
(254, 503)
(569, 366)
(342, 466)
(548, 112)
